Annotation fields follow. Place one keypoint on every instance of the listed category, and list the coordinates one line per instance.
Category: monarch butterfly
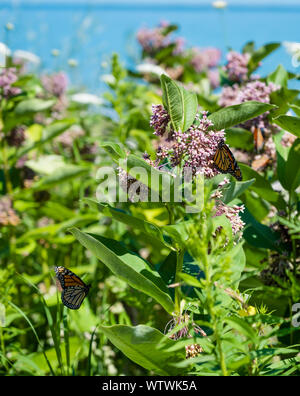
(259, 142)
(260, 163)
(225, 162)
(74, 290)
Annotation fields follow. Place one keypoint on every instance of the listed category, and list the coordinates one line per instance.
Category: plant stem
(6, 168)
(179, 265)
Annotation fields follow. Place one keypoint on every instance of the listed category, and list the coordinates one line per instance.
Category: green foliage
(168, 278)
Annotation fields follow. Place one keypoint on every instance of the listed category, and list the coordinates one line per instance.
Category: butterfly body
(74, 290)
(225, 162)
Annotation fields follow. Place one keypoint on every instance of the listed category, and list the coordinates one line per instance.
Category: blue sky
(195, 2)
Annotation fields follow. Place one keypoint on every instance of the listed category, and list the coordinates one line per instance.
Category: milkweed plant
(176, 200)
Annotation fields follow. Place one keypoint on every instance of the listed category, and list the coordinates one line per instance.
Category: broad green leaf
(242, 327)
(249, 47)
(261, 53)
(237, 114)
(145, 346)
(190, 280)
(34, 132)
(292, 168)
(127, 266)
(178, 232)
(180, 104)
(259, 235)
(256, 205)
(60, 175)
(33, 105)
(279, 76)
(52, 230)
(235, 189)
(114, 150)
(167, 269)
(296, 109)
(240, 138)
(46, 164)
(126, 218)
(289, 123)
(282, 98)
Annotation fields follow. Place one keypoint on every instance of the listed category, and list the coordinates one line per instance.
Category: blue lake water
(90, 33)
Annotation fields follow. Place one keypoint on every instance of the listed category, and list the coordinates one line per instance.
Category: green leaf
(256, 205)
(292, 168)
(242, 327)
(282, 98)
(33, 105)
(114, 149)
(145, 346)
(127, 266)
(237, 114)
(279, 77)
(296, 109)
(60, 175)
(249, 48)
(235, 189)
(189, 280)
(240, 138)
(259, 235)
(178, 232)
(289, 123)
(262, 53)
(167, 269)
(180, 104)
(131, 221)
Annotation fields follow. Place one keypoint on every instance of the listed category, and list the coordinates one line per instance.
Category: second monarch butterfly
(259, 141)
(74, 290)
(225, 162)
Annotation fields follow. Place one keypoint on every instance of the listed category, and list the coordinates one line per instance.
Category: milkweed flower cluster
(159, 120)
(231, 212)
(155, 39)
(214, 78)
(194, 148)
(237, 66)
(7, 215)
(185, 327)
(205, 59)
(70, 135)
(16, 136)
(8, 76)
(252, 91)
(134, 188)
(55, 84)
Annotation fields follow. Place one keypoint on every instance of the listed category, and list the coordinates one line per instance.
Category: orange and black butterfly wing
(74, 290)
(225, 162)
(72, 297)
(221, 160)
(259, 141)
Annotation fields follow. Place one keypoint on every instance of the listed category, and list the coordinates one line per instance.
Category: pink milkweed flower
(8, 77)
(252, 91)
(194, 148)
(55, 84)
(237, 66)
